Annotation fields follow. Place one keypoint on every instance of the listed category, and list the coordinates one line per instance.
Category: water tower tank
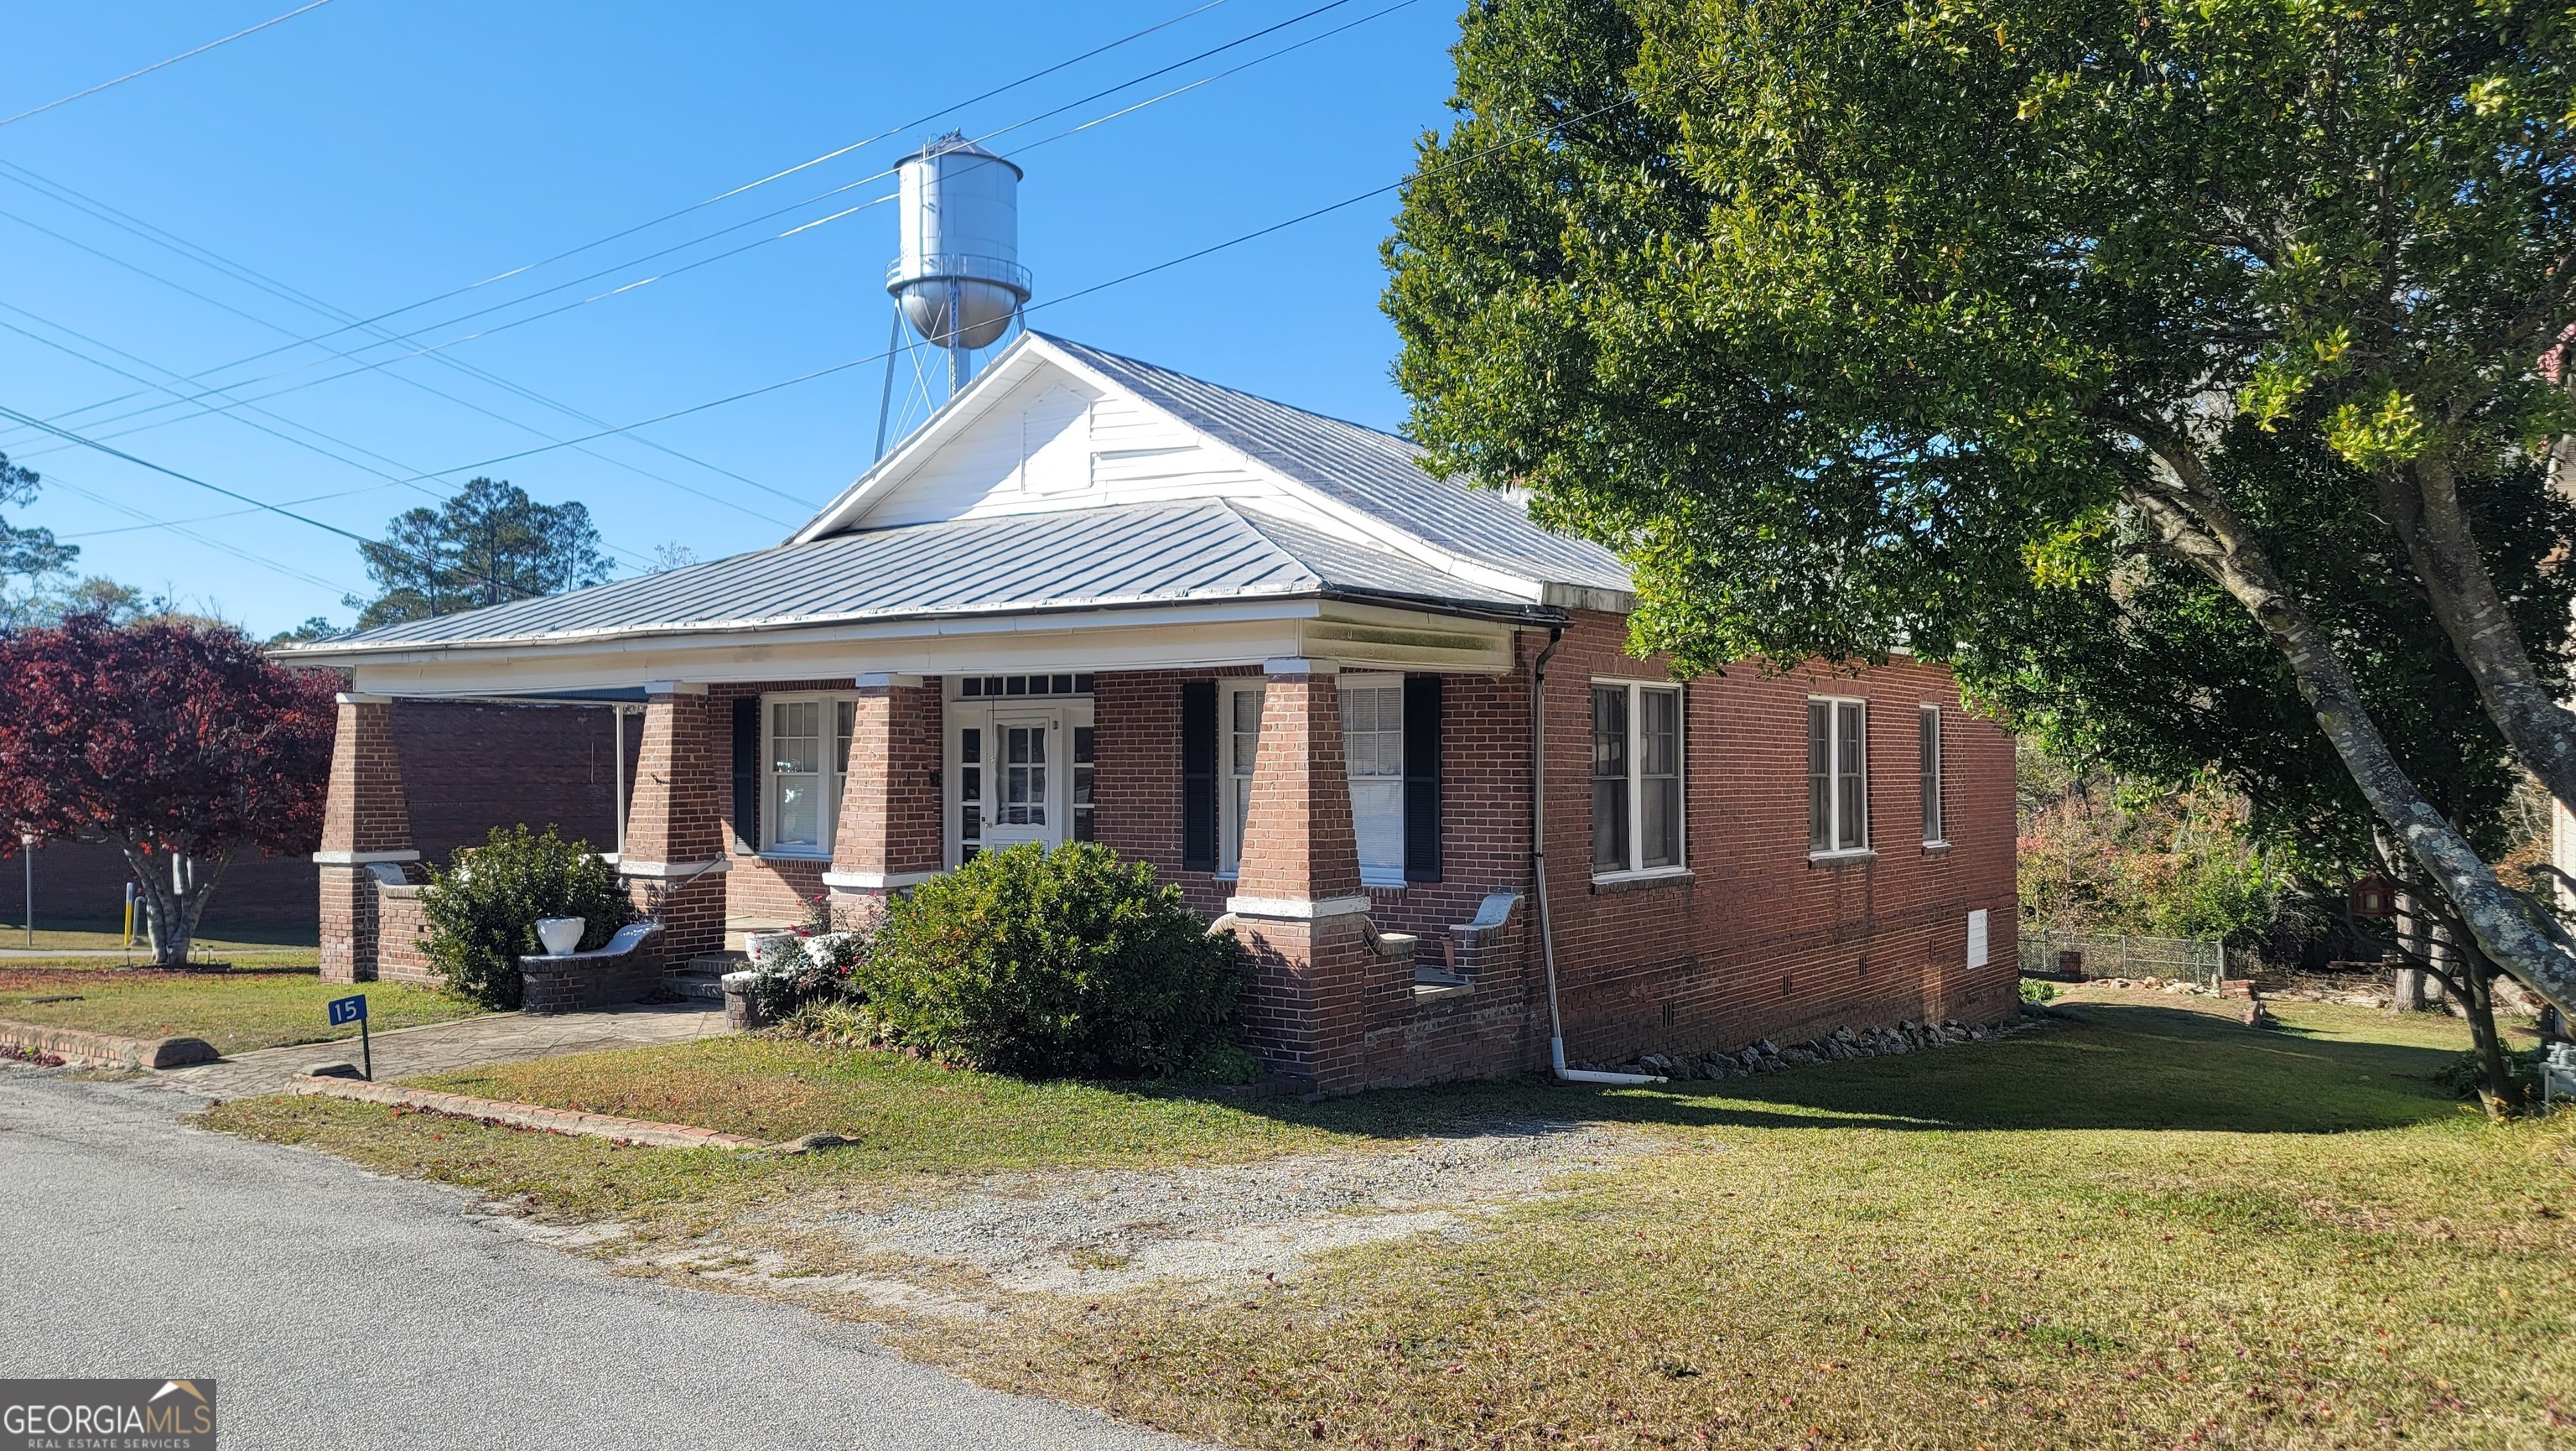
(959, 279)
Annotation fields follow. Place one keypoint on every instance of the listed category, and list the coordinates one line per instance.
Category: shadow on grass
(2125, 1067)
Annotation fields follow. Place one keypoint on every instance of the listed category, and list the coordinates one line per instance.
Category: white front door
(1027, 777)
(1017, 775)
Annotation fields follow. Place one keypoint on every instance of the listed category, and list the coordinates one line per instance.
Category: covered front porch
(1337, 782)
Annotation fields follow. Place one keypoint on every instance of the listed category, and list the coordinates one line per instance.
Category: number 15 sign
(345, 1011)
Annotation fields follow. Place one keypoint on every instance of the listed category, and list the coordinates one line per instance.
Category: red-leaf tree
(176, 742)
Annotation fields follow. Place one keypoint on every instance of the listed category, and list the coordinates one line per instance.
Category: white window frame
(1838, 848)
(1233, 788)
(1388, 876)
(835, 781)
(1935, 788)
(1636, 777)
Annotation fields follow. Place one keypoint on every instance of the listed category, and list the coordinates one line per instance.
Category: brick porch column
(364, 822)
(889, 834)
(674, 859)
(1298, 905)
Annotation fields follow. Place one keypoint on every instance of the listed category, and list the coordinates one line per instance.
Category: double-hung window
(1391, 763)
(1837, 777)
(1636, 778)
(808, 759)
(1373, 747)
(1240, 736)
(1936, 832)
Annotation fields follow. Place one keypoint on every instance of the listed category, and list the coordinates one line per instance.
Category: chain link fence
(2086, 955)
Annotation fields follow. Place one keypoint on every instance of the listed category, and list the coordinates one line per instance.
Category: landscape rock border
(1841, 1045)
(103, 1050)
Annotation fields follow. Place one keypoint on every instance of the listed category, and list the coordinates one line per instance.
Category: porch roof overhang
(1198, 584)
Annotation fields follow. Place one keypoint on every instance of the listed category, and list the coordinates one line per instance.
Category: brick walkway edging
(105, 1050)
(529, 1115)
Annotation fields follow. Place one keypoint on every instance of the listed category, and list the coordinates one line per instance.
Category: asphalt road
(335, 1308)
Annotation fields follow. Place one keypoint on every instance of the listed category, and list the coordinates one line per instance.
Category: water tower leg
(885, 400)
(956, 339)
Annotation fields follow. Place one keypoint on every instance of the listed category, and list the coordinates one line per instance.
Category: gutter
(1538, 879)
(326, 653)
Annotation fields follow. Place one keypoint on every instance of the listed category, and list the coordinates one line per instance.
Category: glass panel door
(1025, 777)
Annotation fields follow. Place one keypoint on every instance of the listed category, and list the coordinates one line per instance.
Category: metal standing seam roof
(1170, 553)
(1377, 473)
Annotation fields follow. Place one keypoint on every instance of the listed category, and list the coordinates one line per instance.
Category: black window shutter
(1422, 778)
(746, 773)
(1198, 775)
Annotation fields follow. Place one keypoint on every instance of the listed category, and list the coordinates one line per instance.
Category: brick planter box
(628, 968)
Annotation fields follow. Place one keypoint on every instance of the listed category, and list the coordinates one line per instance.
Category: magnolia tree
(1859, 324)
(177, 743)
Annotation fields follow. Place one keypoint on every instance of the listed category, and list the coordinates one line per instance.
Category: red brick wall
(470, 766)
(1672, 966)
(1761, 942)
(399, 929)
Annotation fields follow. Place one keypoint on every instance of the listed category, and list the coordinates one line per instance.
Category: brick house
(1096, 600)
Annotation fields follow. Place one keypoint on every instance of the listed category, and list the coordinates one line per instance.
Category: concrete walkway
(449, 1047)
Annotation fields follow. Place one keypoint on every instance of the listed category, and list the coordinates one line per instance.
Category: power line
(606, 431)
(878, 175)
(410, 382)
(1236, 241)
(391, 480)
(157, 65)
(179, 527)
(263, 505)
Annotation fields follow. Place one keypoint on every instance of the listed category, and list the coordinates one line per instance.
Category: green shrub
(1072, 962)
(2035, 991)
(483, 907)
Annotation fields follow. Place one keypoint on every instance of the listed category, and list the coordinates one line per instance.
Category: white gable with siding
(1069, 509)
(1054, 425)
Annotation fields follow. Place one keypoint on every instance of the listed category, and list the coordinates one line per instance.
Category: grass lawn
(2154, 1229)
(286, 942)
(248, 1007)
(914, 1124)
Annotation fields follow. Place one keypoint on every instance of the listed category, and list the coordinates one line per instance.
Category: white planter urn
(560, 934)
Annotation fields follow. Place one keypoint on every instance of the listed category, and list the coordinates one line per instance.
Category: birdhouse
(2374, 896)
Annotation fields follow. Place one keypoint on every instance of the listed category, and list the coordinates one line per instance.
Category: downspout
(1538, 877)
(617, 775)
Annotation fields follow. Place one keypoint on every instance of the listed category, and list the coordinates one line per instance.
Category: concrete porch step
(702, 977)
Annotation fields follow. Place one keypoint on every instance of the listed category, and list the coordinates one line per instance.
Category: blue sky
(372, 154)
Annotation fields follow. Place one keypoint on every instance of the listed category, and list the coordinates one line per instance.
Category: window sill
(1612, 883)
(1935, 848)
(1383, 883)
(1840, 858)
(779, 854)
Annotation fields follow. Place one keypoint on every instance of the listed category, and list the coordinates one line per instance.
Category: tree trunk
(171, 889)
(2501, 921)
(2406, 990)
(2496, 1089)
(2433, 525)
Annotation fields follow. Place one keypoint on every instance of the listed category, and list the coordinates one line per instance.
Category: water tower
(958, 283)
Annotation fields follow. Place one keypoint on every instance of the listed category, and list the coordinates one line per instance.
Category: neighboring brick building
(467, 766)
(1264, 651)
